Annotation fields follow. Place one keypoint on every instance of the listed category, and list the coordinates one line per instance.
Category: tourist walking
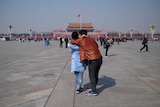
(47, 43)
(145, 44)
(89, 51)
(107, 44)
(101, 39)
(61, 42)
(76, 66)
(66, 41)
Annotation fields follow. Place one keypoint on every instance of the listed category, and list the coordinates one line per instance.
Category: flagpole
(80, 22)
(80, 19)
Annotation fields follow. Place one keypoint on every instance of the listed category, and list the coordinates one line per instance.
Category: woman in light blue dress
(76, 66)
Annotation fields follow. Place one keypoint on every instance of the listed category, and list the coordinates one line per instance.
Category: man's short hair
(74, 35)
(83, 32)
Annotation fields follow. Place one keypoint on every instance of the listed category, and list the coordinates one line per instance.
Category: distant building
(77, 26)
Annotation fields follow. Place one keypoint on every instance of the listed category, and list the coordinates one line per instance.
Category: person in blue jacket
(47, 42)
(76, 66)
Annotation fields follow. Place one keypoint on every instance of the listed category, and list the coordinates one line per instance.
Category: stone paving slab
(63, 94)
(152, 82)
(27, 81)
(33, 75)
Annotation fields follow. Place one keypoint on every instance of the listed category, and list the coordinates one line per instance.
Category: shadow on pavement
(104, 82)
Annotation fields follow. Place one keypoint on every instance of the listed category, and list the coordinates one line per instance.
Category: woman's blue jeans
(79, 79)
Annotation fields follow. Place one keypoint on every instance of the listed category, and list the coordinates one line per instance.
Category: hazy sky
(110, 15)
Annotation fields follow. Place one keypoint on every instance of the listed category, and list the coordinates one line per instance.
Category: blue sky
(110, 15)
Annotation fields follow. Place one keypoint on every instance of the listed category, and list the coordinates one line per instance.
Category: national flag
(79, 15)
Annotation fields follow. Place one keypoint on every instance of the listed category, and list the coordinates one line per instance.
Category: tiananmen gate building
(78, 26)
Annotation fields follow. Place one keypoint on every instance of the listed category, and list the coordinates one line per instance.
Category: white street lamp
(119, 35)
(10, 31)
(125, 38)
(131, 33)
(41, 34)
(153, 28)
(30, 33)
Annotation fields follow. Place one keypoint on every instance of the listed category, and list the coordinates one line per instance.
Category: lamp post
(41, 34)
(131, 33)
(30, 33)
(119, 35)
(125, 38)
(10, 31)
(152, 31)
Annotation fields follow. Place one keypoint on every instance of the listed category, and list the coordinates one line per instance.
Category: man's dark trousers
(93, 68)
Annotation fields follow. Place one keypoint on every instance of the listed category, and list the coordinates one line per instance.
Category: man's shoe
(89, 89)
(91, 93)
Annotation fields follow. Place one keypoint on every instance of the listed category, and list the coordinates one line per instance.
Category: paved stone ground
(34, 75)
